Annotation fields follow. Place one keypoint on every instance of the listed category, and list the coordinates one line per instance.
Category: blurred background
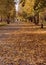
(32, 10)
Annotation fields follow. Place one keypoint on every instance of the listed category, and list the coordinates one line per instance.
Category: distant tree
(10, 7)
(38, 6)
(6, 6)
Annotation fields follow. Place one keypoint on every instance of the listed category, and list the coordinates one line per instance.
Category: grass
(3, 24)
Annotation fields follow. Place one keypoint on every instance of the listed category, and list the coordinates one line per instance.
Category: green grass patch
(3, 24)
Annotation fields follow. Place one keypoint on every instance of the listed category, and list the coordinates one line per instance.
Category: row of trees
(7, 9)
(39, 5)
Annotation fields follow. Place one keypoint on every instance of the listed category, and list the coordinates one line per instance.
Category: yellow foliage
(28, 8)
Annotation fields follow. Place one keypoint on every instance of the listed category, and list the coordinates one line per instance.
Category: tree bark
(36, 19)
(8, 19)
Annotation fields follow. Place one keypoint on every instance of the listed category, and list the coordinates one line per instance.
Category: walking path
(22, 43)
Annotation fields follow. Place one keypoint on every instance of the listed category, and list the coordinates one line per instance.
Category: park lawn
(3, 24)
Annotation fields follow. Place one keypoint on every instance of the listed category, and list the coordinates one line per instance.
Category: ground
(22, 43)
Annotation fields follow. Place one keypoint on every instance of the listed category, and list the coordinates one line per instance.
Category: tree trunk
(1, 19)
(8, 19)
(36, 18)
(42, 25)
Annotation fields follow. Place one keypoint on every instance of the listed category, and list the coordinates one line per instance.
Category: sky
(17, 4)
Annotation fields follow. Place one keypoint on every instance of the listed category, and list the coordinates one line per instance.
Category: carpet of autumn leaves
(23, 49)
